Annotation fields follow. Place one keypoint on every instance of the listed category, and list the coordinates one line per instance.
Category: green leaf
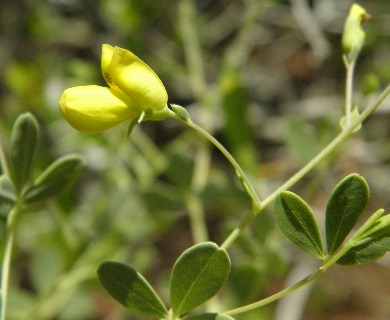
(208, 316)
(131, 289)
(367, 227)
(56, 178)
(345, 206)
(297, 222)
(24, 145)
(197, 276)
(379, 228)
(366, 252)
(7, 195)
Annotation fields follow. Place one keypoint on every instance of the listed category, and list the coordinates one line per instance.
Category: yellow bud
(354, 35)
(92, 109)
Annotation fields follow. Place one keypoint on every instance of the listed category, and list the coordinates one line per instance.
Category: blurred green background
(265, 77)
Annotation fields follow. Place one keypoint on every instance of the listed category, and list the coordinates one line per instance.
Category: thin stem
(275, 296)
(3, 162)
(350, 67)
(237, 231)
(307, 168)
(5, 274)
(240, 173)
(371, 108)
(331, 147)
(327, 263)
(247, 185)
(257, 205)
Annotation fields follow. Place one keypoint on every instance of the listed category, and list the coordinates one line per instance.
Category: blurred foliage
(247, 70)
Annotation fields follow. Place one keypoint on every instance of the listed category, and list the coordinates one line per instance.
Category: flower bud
(354, 35)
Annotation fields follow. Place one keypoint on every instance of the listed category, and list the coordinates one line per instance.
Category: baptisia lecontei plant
(134, 92)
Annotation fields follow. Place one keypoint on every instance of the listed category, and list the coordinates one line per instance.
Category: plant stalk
(5, 273)
(327, 263)
(350, 68)
(257, 205)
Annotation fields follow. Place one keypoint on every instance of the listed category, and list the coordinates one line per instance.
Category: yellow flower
(134, 88)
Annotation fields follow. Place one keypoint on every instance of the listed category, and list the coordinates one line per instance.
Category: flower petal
(92, 109)
(107, 52)
(134, 77)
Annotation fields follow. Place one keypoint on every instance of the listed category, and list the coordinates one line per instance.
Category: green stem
(257, 205)
(5, 273)
(3, 162)
(350, 67)
(275, 296)
(331, 147)
(237, 231)
(248, 186)
(327, 263)
(308, 167)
